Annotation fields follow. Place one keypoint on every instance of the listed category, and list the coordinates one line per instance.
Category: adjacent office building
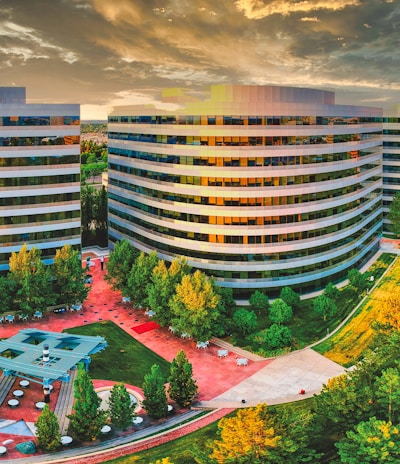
(391, 162)
(39, 175)
(261, 186)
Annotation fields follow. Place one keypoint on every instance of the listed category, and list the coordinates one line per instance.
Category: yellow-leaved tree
(247, 437)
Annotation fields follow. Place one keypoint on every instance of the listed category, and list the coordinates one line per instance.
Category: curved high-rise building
(39, 176)
(261, 186)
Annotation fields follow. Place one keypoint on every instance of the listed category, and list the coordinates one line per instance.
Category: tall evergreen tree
(121, 406)
(155, 397)
(182, 387)
(48, 430)
(87, 418)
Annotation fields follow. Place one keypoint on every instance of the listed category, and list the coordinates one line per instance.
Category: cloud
(314, 19)
(258, 9)
(99, 52)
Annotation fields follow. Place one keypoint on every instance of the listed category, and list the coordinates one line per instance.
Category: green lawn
(129, 366)
(308, 327)
(177, 450)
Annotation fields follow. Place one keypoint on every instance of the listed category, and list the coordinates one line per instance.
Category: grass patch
(348, 344)
(178, 450)
(306, 326)
(129, 366)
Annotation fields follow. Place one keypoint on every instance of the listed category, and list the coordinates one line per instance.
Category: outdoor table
(242, 361)
(222, 353)
(66, 440)
(106, 429)
(24, 383)
(3, 450)
(13, 403)
(40, 405)
(202, 345)
(18, 393)
(137, 420)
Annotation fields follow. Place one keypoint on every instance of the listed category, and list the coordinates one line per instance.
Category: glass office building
(391, 162)
(39, 175)
(260, 186)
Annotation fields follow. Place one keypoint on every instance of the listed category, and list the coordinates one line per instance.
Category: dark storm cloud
(105, 52)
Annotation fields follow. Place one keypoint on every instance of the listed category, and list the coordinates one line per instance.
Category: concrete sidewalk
(280, 381)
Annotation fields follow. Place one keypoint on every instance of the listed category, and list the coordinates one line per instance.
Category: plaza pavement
(281, 381)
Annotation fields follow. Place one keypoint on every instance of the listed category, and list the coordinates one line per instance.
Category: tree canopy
(182, 387)
(195, 306)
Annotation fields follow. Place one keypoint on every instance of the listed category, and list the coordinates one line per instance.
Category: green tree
(7, 292)
(195, 306)
(88, 206)
(32, 281)
(343, 402)
(357, 280)
(244, 321)
(182, 387)
(373, 441)
(48, 430)
(259, 302)
(119, 265)
(388, 392)
(290, 297)
(140, 276)
(394, 214)
(101, 217)
(331, 291)
(87, 418)
(121, 407)
(280, 311)
(162, 287)
(276, 336)
(324, 306)
(69, 276)
(155, 397)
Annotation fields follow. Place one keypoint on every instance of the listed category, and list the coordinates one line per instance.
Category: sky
(105, 53)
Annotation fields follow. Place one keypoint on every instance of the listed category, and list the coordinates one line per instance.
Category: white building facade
(39, 175)
(260, 186)
(391, 162)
